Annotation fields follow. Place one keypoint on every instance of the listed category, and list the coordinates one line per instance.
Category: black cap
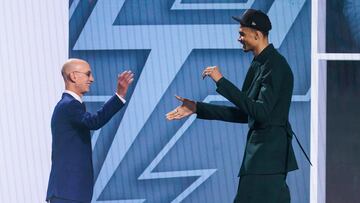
(255, 19)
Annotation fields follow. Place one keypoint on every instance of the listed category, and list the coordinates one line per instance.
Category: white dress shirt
(77, 97)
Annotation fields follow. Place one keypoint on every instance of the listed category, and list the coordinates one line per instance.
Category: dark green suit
(263, 103)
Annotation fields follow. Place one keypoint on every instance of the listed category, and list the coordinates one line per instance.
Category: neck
(260, 47)
(73, 90)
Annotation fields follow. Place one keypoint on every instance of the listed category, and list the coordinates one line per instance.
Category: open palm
(187, 108)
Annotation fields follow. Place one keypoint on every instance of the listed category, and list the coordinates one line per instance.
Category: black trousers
(263, 189)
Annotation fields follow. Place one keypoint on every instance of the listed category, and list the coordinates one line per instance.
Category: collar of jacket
(265, 54)
(72, 97)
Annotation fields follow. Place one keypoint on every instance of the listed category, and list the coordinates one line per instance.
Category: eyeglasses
(88, 74)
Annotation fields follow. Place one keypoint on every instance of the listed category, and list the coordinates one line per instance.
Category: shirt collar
(73, 94)
(264, 55)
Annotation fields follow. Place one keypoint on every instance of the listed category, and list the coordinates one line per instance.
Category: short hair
(265, 33)
(63, 74)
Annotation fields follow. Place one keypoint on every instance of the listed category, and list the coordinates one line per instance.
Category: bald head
(77, 76)
(72, 65)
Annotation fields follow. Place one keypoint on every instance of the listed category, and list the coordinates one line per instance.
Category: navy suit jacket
(71, 175)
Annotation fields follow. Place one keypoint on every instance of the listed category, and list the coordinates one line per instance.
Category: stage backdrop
(140, 156)
(33, 46)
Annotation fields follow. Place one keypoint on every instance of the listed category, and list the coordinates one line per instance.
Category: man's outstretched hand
(187, 108)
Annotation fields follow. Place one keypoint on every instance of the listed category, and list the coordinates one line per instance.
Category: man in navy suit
(71, 176)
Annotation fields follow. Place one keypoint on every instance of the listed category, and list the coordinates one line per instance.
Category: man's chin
(86, 91)
(245, 49)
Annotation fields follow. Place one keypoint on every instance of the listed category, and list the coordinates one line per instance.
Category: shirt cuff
(120, 97)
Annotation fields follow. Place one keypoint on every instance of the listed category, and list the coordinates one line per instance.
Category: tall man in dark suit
(263, 103)
(71, 177)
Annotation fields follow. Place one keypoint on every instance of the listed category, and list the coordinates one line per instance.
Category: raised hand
(213, 72)
(124, 80)
(187, 108)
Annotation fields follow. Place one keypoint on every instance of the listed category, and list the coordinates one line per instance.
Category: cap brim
(238, 19)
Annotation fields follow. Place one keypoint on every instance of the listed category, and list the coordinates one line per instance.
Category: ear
(257, 35)
(72, 77)
(260, 35)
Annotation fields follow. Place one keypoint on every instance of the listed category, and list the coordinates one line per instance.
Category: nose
(91, 78)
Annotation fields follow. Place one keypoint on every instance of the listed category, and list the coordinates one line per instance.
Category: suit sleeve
(218, 112)
(80, 117)
(259, 109)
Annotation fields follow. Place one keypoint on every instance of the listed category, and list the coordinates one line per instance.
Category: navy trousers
(59, 200)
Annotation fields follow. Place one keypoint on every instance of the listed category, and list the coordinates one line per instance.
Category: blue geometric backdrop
(139, 156)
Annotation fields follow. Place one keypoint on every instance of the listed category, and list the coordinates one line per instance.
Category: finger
(130, 81)
(179, 98)
(173, 112)
(203, 74)
(168, 117)
(206, 73)
(126, 77)
(171, 116)
(207, 69)
(121, 75)
(126, 74)
(210, 68)
(121, 80)
(175, 117)
(129, 76)
(178, 117)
